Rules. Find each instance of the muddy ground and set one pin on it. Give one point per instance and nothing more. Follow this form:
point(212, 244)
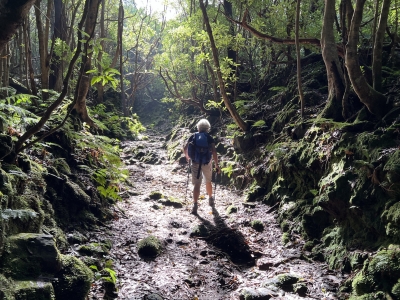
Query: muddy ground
point(229, 257)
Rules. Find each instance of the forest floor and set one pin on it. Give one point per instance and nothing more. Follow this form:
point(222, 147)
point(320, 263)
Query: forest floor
point(232, 256)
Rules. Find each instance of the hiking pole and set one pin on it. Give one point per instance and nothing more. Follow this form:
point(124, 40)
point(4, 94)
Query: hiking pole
point(187, 183)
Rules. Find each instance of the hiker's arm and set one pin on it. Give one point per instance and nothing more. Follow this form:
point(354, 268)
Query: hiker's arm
point(185, 151)
point(215, 157)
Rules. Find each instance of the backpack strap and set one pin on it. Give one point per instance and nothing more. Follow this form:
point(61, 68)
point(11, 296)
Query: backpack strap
point(198, 172)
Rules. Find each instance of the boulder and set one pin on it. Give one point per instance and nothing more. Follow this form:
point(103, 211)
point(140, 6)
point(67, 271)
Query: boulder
point(29, 255)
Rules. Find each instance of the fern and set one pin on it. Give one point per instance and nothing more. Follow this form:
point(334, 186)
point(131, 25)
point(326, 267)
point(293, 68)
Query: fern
point(22, 214)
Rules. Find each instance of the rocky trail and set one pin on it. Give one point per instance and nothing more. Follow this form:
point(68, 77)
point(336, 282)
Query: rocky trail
point(218, 254)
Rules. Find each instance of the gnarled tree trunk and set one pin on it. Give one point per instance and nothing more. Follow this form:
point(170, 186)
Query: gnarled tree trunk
point(84, 82)
point(333, 108)
point(12, 13)
point(372, 99)
point(232, 110)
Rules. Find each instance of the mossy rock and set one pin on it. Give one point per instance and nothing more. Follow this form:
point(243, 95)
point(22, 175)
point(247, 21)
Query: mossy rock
point(257, 225)
point(34, 290)
point(200, 231)
point(94, 249)
point(285, 226)
point(286, 281)
point(73, 280)
point(170, 201)
point(149, 247)
point(362, 284)
point(6, 288)
point(156, 195)
point(231, 209)
point(396, 290)
point(285, 238)
point(300, 288)
point(28, 255)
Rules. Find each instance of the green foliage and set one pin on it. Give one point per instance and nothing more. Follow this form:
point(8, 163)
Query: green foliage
point(106, 76)
point(24, 215)
point(106, 274)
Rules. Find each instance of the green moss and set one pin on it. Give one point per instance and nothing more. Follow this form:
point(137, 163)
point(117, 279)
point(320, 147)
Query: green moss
point(6, 288)
point(149, 246)
point(285, 226)
point(74, 279)
point(97, 249)
point(257, 225)
point(396, 290)
point(156, 195)
point(308, 246)
point(231, 209)
point(362, 284)
point(33, 290)
point(171, 201)
point(285, 238)
point(200, 231)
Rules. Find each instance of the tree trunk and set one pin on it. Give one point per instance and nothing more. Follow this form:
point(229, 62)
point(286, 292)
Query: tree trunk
point(372, 99)
point(19, 145)
point(59, 32)
point(378, 45)
point(31, 72)
point(232, 110)
point(43, 48)
point(120, 34)
point(12, 13)
point(84, 82)
point(333, 108)
point(299, 85)
point(99, 86)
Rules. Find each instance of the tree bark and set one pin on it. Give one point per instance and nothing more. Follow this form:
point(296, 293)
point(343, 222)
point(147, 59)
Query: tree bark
point(378, 45)
point(19, 145)
point(372, 99)
point(232, 110)
point(333, 108)
point(43, 48)
point(59, 32)
point(84, 82)
point(99, 86)
point(12, 13)
point(299, 85)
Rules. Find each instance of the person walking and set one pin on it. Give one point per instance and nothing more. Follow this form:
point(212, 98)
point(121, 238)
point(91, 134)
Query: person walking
point(200, 151)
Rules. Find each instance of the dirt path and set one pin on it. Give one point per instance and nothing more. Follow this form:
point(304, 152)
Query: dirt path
point(231, 256)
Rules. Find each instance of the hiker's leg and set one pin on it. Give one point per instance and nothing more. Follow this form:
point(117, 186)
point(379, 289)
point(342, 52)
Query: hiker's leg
point(209, 189)
point(196, 182)
point(207, 173)
point(196, 192)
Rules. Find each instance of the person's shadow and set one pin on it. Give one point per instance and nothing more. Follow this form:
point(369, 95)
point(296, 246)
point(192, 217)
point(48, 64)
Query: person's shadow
point(228, 240)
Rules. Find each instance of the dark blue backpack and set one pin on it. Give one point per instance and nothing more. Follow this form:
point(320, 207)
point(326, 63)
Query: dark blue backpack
point(199, 150)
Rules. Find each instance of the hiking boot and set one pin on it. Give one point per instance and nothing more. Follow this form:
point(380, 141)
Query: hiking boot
point(211, 201)
point(194, 209)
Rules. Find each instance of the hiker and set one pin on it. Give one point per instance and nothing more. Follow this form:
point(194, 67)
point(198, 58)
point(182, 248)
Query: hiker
point(199, 150)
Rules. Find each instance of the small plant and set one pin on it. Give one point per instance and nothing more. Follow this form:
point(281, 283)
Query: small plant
point(149, 246)
point(231, 209)
point(257, 225)
point(155, 195)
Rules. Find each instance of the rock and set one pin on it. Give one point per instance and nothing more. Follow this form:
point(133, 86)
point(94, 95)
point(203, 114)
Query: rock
point(257, 225)
point(264, 264)
point(33, 290)
point(231, 209)
point(149, 247)
point(256, 294)
point(200, 231)
point(300, 288)
point(29, 255)
point(153, 297)
point(243, 143)
point(73, 280)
